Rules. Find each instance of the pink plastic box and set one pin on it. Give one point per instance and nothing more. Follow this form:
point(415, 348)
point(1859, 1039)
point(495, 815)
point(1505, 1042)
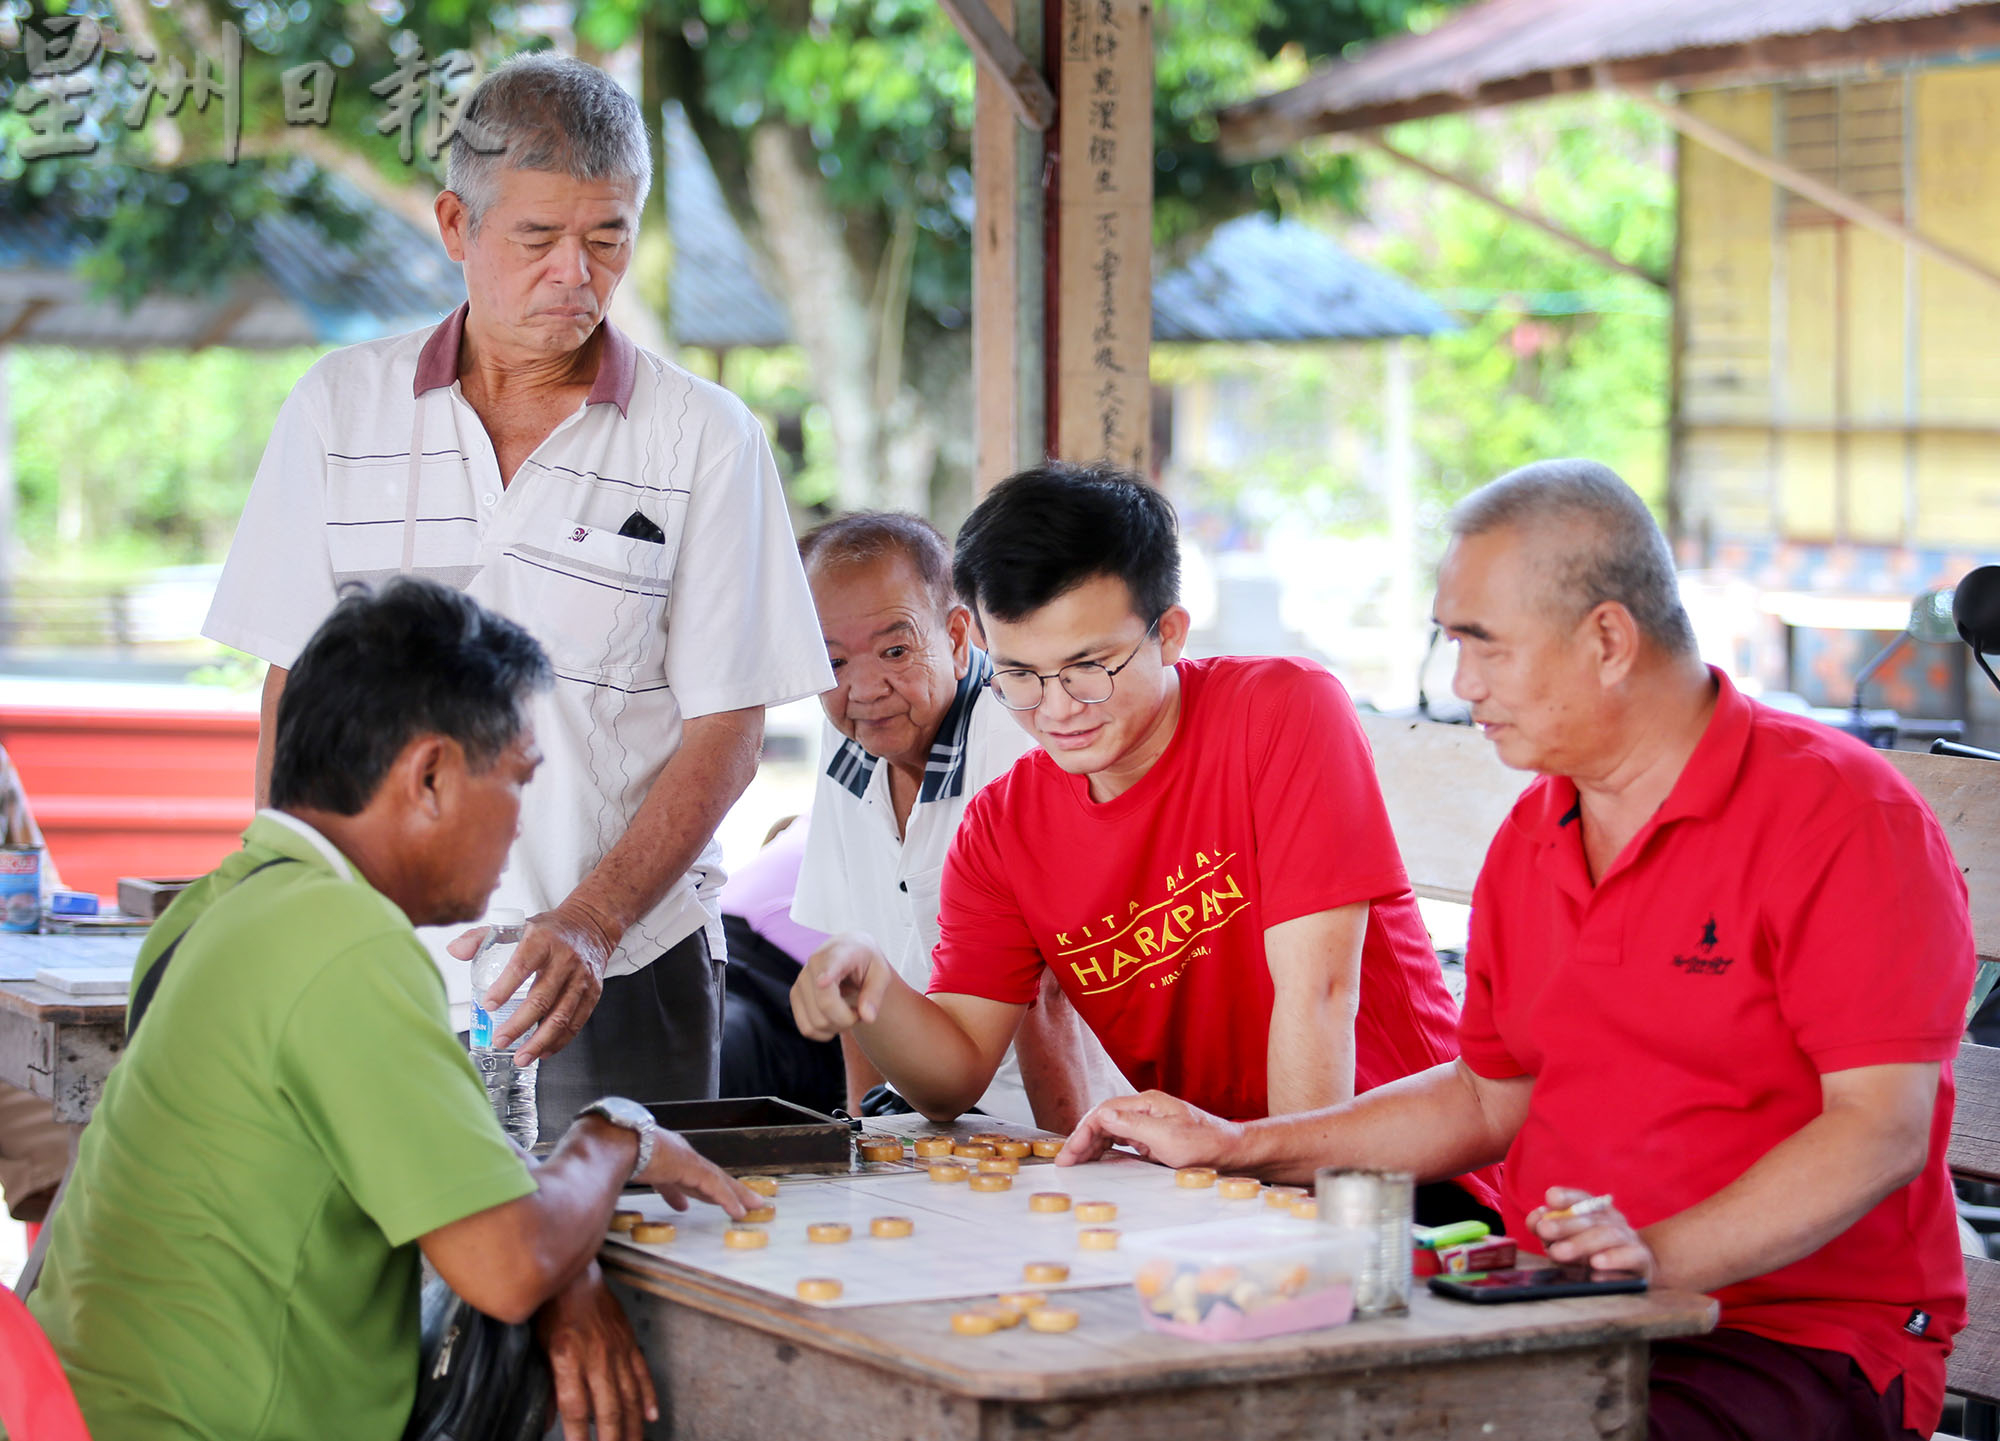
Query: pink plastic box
point(1244, 1280)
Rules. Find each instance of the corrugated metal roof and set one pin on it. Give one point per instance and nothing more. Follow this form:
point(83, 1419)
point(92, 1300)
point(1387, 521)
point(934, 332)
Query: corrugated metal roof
point(308, 289)
point(1263, 279)
point(1256, 279)
point(1507, 42)
point(313, 291)
point(716, 299)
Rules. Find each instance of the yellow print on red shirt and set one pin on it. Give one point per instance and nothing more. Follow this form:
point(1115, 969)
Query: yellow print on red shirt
point(1109, 952)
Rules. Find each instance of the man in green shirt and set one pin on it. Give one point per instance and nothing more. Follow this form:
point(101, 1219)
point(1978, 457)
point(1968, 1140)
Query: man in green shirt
point(293, 1119)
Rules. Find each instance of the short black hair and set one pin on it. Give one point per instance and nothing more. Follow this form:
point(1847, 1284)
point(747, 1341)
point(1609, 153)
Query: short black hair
point(1043, 532)
point(413, 658)
point(862, 536)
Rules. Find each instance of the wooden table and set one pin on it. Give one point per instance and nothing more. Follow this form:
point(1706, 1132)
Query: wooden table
point(736, 1364)
point(53, 1044)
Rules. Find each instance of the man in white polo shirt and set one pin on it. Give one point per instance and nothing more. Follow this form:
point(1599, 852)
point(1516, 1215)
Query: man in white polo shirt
point(626, 513)
point(912, 735)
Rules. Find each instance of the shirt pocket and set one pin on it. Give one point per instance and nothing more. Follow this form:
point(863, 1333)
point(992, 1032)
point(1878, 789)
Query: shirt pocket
point(923, 891)
point(596, 600)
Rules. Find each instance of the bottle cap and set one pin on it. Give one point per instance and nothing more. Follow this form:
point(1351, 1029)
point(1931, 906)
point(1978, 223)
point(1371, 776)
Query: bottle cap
point(506, 916)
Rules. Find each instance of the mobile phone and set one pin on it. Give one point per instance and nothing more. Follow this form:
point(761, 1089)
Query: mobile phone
point(1493, 1288)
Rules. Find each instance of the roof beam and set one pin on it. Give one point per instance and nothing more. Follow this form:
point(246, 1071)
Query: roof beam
point(18, 326)
point(1713, 136)
point(1548, 227)
point(1028, 94)
point(224, 318)
point(1271, 124)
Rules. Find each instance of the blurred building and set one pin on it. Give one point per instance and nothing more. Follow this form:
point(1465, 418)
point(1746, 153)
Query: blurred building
point(1836, 406)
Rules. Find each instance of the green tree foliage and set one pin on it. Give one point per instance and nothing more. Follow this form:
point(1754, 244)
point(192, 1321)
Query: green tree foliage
point(146, 459)
point(1560, 355)
point(882, 88)
point(1556, 354)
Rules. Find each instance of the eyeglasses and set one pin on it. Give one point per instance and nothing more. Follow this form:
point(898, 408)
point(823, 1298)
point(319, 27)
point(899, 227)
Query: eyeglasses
point(1088, 682)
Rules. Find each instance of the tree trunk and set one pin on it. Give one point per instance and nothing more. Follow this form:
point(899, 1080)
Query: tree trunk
point(827, 302)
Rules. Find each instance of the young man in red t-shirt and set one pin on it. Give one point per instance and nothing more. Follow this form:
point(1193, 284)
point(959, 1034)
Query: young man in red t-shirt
point(1198, 851)
point(1719, 965)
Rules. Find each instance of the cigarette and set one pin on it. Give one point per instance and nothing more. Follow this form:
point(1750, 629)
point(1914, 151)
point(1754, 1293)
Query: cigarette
point(1590, 1205)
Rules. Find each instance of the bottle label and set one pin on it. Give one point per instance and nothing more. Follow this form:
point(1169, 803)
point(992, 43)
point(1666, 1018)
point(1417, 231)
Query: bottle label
point(482, 1026)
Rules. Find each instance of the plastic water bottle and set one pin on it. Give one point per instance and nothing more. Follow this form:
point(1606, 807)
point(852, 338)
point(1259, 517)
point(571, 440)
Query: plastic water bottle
point(510, 1088)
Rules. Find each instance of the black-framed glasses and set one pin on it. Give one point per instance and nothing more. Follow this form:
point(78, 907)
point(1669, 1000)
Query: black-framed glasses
point(1088, 682)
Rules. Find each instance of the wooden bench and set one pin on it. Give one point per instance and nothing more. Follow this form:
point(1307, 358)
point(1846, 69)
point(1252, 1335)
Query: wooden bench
point(1447, 794)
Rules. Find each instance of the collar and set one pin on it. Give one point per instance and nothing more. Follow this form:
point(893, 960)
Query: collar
point(944, 769)
point(1709, 777)
point(1705, 783)
point(282, 831)
point(617, 365)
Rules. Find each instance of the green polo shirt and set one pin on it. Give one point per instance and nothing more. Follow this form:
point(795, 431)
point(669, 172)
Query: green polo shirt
point(236, 1255)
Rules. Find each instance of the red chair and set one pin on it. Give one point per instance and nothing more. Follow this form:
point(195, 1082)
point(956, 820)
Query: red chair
point(36, 1403)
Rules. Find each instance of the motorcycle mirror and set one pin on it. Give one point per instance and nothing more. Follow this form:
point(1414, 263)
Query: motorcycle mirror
point(1931, 617)
point(1975, 609)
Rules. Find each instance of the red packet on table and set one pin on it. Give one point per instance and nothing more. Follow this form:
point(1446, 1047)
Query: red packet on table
point(1487, 1253)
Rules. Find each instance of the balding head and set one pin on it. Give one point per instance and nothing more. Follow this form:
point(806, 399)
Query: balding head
point(1593, 541)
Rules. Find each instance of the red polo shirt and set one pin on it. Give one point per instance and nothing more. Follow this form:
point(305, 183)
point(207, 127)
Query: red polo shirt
point(1791, 910)
point(1151, 907)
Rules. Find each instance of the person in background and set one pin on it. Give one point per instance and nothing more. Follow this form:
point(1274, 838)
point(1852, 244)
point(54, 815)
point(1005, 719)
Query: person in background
point(763, 1053)
point(624, 512)
point(34, 1145)
point(913, 734)
point(1197, 851)
point(1719, 965)
point(293, 1125)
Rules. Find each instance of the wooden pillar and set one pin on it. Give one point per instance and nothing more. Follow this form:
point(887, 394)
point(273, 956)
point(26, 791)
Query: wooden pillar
point(1103, 216)
point(1009, 374)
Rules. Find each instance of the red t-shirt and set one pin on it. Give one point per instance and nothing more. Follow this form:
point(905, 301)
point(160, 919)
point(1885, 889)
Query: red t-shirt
point(1152, 907)
point(1792, 909)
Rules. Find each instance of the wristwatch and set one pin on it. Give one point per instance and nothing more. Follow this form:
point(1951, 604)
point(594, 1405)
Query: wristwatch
point(633, 1117)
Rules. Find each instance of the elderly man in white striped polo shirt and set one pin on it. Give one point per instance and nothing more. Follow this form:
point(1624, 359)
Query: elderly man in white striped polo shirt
point(626, 513)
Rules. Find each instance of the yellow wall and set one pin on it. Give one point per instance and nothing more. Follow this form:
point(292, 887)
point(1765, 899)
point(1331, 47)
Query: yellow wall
point(1774, 443)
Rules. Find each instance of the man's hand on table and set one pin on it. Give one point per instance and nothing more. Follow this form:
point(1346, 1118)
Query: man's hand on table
point(679, 1174)
point(1159, 1127)
point(600, 1373)
point(566, 951)
point(840, 986)
point(1603, 1240)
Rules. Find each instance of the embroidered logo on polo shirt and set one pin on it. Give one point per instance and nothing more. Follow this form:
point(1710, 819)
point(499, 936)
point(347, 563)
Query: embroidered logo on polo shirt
point(579, 535)
point(1705, 962)
point(1919, 1323)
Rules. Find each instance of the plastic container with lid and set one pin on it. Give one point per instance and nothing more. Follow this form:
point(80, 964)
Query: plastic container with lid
point(1243, 1280)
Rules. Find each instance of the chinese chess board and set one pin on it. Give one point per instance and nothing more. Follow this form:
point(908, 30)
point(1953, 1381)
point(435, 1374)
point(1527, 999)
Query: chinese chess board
point(964, 1243)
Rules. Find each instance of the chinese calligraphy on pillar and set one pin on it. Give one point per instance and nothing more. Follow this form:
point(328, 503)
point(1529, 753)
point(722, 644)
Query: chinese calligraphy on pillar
point(1105, 238)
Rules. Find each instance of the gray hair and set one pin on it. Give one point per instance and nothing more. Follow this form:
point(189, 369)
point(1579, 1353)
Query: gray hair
point(864, 536)
point(546, 111)
point(1613, 550)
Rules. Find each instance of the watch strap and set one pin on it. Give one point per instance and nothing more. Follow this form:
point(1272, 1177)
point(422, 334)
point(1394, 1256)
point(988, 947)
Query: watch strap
point(630, 1116)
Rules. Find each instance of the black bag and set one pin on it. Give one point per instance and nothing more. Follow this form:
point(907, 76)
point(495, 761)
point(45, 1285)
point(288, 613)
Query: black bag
point(478, 1379)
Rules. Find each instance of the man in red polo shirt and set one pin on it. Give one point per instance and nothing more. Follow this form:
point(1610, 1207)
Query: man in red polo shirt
point(1198, 851)
point(1719, 964)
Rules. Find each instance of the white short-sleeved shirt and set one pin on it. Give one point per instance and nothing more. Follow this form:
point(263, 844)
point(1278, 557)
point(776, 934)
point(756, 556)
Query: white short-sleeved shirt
point(642, 634)
point(859, 875)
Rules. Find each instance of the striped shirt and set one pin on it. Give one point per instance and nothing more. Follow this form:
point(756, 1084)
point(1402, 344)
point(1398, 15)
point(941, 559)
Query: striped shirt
point(643, 633)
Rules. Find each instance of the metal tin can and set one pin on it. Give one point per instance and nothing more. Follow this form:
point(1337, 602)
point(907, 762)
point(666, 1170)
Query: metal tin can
point(20, 888)
point(1382, 1204)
